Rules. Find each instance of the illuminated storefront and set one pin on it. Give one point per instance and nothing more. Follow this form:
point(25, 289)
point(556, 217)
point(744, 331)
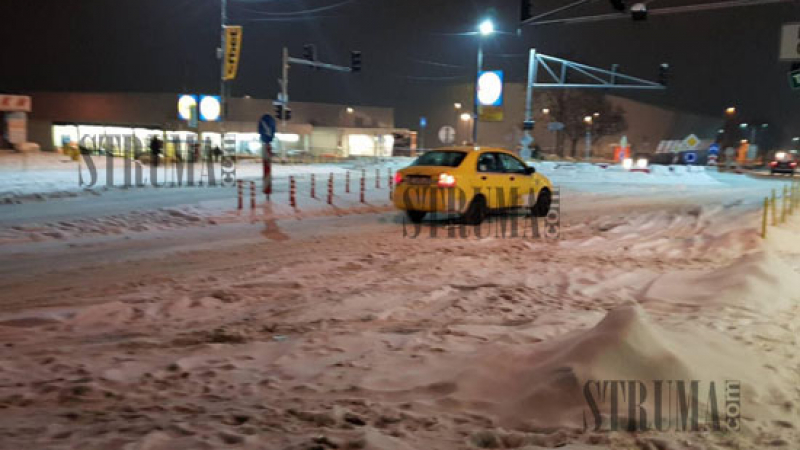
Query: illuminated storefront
point(125, 124)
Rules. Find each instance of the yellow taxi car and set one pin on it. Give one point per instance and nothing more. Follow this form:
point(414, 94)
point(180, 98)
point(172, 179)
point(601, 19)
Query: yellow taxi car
point(471, 181)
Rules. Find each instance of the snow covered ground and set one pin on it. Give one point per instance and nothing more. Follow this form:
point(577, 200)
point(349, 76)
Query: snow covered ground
point(195, 326)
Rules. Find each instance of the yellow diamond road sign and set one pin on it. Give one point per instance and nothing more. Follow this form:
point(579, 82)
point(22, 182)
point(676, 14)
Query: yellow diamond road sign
point(692, 142)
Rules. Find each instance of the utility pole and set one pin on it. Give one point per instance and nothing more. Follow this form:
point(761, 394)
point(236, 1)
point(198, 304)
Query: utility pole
point(221, 55)
point(284, 85)
point(588, 141)
point(529, 123)
point(476, 112)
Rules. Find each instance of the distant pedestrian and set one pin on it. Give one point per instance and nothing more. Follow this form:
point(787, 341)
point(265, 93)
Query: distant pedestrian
point(155, 150)
point(217, 153)
point(196, 152)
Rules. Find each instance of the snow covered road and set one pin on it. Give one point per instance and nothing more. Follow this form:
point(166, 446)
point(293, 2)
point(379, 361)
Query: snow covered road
point(328, 328)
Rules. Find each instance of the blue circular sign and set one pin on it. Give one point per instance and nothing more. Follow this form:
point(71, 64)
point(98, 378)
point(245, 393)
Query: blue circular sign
point(690, 157)
point(714, 149)
point(266, 128)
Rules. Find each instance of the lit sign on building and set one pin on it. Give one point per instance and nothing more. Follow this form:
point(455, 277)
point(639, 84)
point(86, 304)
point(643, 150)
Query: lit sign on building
point(187, 104)
point(490, 88)
point(210, 108)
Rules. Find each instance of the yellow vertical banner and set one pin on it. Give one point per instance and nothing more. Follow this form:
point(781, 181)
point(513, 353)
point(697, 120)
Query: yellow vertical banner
point(233, 48)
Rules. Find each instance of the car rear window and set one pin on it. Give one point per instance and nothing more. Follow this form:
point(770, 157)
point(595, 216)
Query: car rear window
point(440, 159)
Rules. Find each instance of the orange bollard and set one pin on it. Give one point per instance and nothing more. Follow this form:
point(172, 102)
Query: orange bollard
point(292, 193)
point(240, 193)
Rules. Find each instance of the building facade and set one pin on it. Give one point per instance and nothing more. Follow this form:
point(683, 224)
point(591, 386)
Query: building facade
point(94, 120)
point(648, 124)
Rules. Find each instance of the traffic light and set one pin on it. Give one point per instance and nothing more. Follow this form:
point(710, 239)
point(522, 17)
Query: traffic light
point(527, 10)
point(355, 61)
point(663, 74)
point(310, 52)
point(282, 112)
point(619, 5)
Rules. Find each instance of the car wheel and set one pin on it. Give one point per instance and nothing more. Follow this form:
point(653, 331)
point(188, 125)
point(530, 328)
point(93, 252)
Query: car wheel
point(542, 206)
point(476, 212)
point(416, 216)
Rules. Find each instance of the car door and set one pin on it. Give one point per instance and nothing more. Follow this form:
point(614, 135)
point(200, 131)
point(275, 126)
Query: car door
point(490, 177)
point(519, 180)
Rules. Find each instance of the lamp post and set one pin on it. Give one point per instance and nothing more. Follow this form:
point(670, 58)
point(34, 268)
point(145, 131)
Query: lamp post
point(466, 118)
point(486, 28)
point(457, 108)
point(588, 120)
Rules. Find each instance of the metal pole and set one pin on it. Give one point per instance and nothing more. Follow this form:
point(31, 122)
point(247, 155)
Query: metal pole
point(475, 92)
point(285, 86)
point(532, 72)
point(222, 82)
point(588, 142)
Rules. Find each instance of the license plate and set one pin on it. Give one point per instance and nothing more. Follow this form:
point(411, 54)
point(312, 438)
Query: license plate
point(419, 180)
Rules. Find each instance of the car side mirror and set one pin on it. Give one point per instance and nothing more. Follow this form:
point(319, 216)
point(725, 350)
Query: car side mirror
point(530, 170)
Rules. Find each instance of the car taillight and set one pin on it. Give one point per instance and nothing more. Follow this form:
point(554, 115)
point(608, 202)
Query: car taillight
point(773, 163)
point(447, 180)
point(794, 164)
point(398, 178)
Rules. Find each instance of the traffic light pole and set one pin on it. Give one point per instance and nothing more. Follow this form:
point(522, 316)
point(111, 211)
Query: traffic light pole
point(286, 62)
point(222, 83)
point(284, 86)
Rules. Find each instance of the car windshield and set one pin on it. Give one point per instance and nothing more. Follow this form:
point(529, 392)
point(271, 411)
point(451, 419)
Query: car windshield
point(440, 159)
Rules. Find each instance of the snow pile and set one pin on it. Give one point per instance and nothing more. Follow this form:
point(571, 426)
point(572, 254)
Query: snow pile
point(542, 386)
point(760, 281)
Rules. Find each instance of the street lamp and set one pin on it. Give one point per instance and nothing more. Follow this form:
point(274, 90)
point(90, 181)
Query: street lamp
point(466, 117)
point(546, 111)
point(486, 28)
point(457, 105)
point(350, 110)
point(730, 111)
point(596, 115)
point(588, 121)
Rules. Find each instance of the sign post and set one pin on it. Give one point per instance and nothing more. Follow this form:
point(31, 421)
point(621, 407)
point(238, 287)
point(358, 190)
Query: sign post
point(266, 128)
point(423, 123)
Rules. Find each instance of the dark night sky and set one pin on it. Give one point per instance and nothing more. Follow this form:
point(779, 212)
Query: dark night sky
point(718, 58)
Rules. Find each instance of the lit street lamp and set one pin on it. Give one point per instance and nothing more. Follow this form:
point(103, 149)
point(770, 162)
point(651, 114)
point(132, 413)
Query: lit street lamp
point(466, 118)
point(588, 121)
point(486, 28)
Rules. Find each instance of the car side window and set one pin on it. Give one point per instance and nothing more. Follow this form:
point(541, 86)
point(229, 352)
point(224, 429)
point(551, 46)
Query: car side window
point(512, 165)
point(488, 163)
